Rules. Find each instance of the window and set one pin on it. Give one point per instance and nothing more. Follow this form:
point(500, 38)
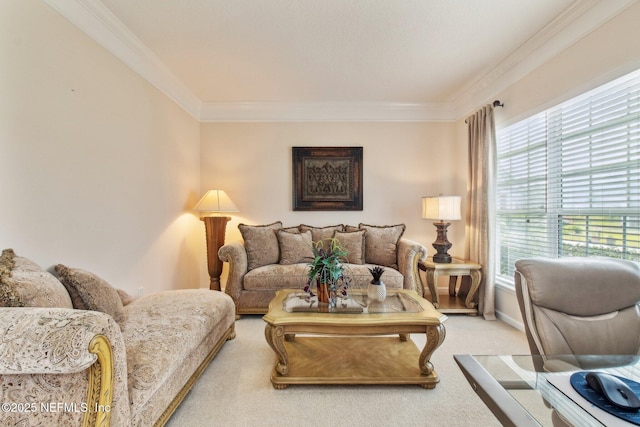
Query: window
point(568, 181)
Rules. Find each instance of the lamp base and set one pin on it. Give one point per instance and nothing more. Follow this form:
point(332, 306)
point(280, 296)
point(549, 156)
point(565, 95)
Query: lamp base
point(215, 228)
point(442, 244)
point(444, 258)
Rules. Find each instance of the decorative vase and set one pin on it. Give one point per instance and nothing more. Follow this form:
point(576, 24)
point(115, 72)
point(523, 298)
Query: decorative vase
point(377, 291)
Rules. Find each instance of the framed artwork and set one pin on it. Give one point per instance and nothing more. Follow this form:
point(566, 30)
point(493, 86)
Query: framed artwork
point(327, 178)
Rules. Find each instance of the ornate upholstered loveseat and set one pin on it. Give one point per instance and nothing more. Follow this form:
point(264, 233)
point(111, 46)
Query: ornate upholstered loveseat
point(273, 257)
point(117, 361)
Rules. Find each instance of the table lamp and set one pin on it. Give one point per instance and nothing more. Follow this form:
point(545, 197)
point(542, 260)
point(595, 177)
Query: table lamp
point(442, 208)
point(211, 205)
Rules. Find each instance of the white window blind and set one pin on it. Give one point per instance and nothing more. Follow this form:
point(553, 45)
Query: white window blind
point(568, 179)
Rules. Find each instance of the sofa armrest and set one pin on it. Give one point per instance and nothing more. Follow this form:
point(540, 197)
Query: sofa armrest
point(235, 254)
point(82, 354)
point(409, 254)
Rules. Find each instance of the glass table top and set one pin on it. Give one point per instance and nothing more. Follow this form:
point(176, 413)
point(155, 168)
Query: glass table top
point(355, 302)
point(526, 390)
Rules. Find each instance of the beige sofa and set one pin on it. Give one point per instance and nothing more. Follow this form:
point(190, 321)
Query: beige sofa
point(274, 257)
point(117, 361)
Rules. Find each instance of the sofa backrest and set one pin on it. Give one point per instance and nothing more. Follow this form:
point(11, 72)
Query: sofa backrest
point(377, 245)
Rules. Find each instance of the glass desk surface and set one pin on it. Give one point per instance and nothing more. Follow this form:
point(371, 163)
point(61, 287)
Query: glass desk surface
point(356, 302)
point(526, 390)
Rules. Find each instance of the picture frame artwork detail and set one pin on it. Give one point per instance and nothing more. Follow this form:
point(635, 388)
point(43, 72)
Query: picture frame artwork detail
point(327, 178)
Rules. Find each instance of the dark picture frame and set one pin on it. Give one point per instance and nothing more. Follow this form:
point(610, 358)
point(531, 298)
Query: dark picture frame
point(327, 178)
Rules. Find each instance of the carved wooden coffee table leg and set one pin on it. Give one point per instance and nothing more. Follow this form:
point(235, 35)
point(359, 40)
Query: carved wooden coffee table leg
point(275, 338)
point(435, 337)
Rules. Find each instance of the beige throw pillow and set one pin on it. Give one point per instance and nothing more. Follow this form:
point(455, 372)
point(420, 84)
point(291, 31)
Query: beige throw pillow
point(295, 247)
point(322, 233)
point(353, 243)
point(90, 292)
point(381, 244)
point(125, 297)
point(24, 284)
point(8, 295)
point(261, 244)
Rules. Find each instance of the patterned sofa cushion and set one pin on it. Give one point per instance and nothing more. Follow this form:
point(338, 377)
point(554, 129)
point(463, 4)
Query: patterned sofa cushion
point(353, 243)
point(294, 276)
point(90, 292)
point(24, 284)
point(321, 233)
point(163, 334)
point(381, 244)
point(261, 244)
point(294, 247)
point(277, 276)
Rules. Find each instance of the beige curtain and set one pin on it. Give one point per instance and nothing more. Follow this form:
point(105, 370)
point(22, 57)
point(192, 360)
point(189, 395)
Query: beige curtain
point(481, 212)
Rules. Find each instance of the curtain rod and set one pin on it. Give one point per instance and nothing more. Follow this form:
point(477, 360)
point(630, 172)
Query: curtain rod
point(496, 103)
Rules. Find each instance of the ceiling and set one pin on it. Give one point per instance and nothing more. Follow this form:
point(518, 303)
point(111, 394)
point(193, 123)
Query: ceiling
point(335, 59)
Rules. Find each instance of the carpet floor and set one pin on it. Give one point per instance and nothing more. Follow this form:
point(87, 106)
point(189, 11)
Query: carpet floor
point(235, 389)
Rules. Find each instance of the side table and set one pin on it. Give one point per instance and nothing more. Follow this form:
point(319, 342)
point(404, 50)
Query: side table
point(456, 268)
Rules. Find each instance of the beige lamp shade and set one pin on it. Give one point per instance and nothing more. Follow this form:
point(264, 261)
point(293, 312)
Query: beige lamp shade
point(215, 201)
point(441, 207)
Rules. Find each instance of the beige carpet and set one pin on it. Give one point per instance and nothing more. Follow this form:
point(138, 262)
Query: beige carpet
point(235, 389)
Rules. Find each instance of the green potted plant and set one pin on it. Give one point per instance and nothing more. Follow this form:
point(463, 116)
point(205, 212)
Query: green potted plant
point(327, 271)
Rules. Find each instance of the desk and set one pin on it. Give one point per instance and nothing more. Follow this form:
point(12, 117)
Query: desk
point(520, 391)
point(454, 269)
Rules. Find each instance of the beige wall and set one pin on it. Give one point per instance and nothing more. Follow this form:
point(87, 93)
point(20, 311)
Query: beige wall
point(98, 168)
point(401, 163)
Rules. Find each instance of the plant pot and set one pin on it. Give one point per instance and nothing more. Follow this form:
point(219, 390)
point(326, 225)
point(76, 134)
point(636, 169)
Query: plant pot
point(377, 291)
point(326, 295)
point(323, 292)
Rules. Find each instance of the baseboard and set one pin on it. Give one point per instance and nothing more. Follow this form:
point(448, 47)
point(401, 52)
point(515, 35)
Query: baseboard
point(510, 321)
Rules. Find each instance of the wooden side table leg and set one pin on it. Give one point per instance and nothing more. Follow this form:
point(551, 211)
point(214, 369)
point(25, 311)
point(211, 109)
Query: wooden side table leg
point(432, 282)
point(476, 277)
point(453, 281)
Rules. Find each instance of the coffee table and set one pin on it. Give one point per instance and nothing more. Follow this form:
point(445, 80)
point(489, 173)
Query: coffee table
point(357, 343)
point(528, 390)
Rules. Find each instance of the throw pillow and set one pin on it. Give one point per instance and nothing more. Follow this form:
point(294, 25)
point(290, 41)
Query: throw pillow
point(291, 229)
point(381, 244)
point(90, 292)
point(322, 233)
point(295, 247)
point(24, 284)
point(8, 295)
point(125, 297)
point(261, 244)
point(353, 243)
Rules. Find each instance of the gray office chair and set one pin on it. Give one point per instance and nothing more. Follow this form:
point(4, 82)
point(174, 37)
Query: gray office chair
point(579, 306)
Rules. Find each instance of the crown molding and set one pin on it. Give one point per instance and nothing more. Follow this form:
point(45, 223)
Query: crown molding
point(320, 112)
point(578, 20)
point(99, 23)
point(582, 17)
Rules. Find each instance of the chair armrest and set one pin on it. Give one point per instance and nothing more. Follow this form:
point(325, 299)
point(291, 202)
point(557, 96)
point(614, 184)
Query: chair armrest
point(409, 254)
point(82, 352)
point(235, 254)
